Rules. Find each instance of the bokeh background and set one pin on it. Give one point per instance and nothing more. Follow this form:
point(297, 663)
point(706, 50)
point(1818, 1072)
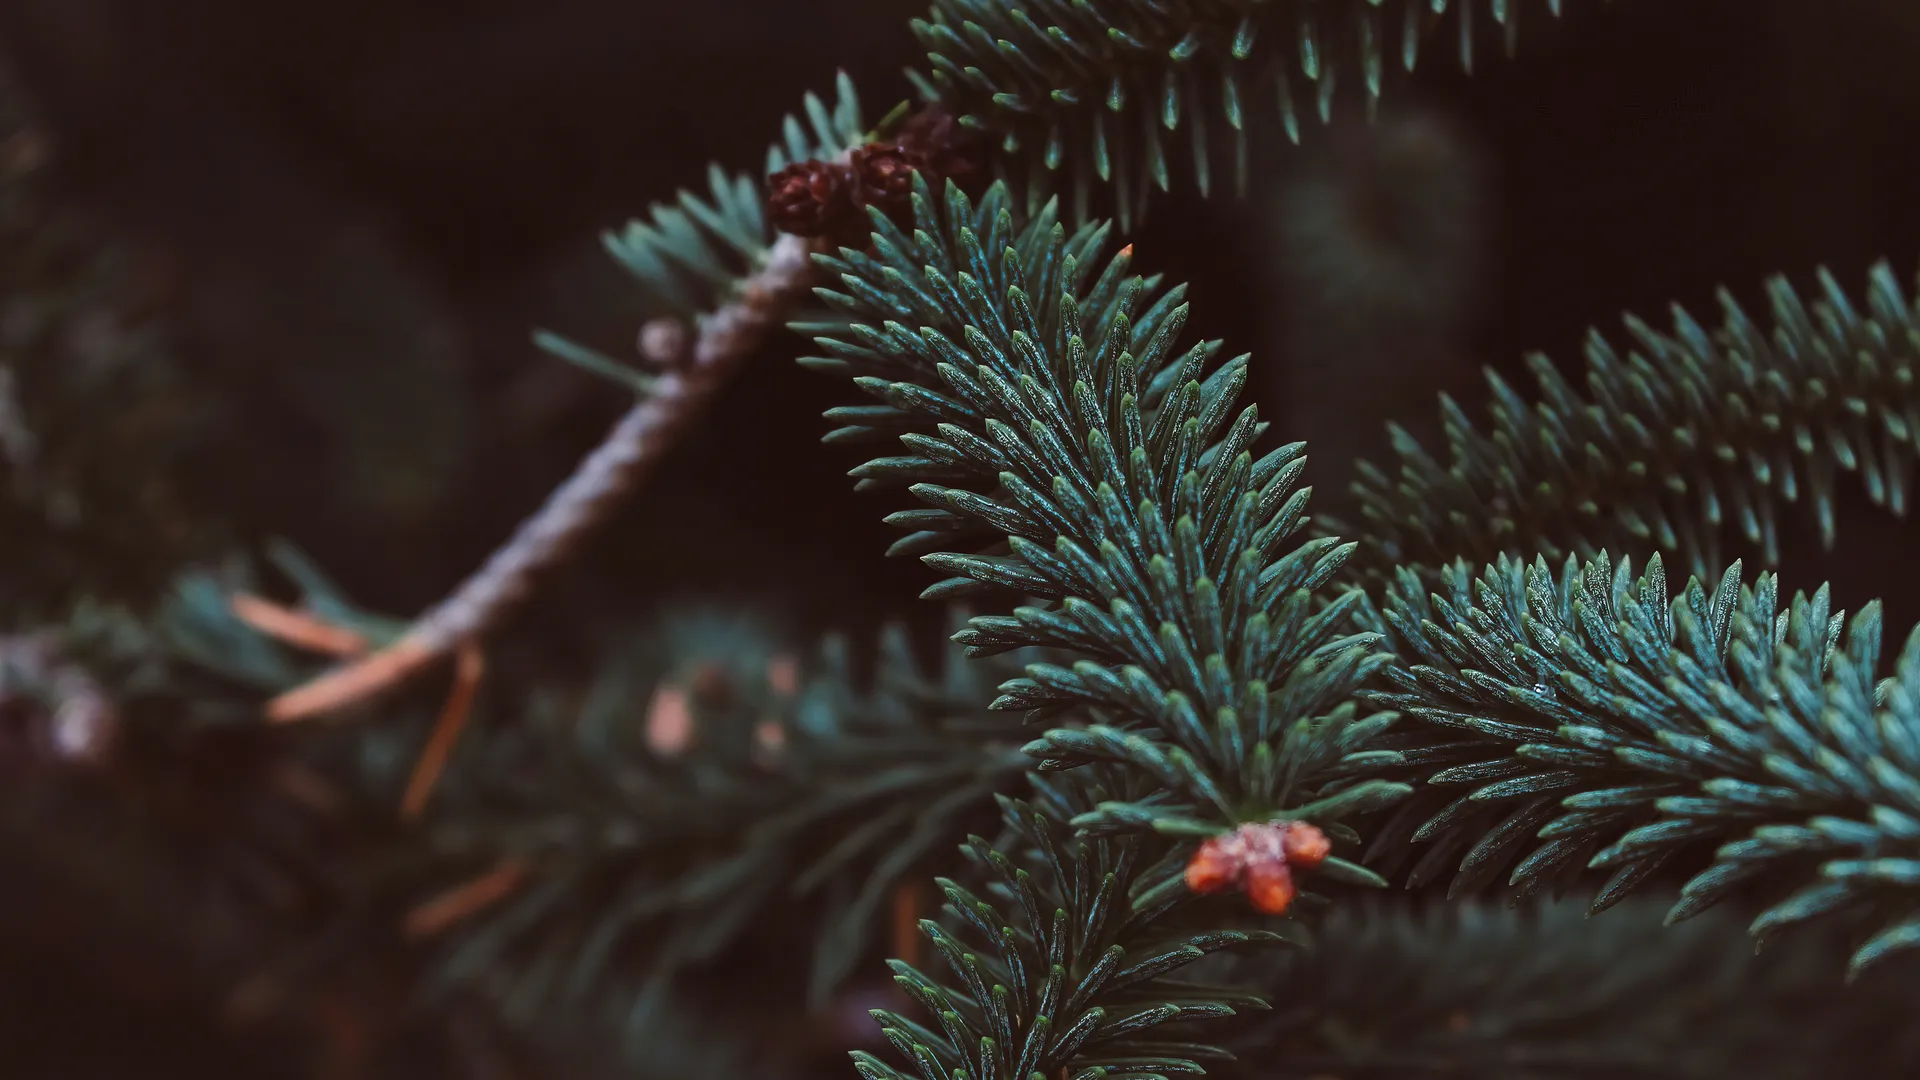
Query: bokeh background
point(351, 215)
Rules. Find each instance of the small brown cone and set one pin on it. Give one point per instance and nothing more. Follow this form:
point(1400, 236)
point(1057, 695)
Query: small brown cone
point(813, 199)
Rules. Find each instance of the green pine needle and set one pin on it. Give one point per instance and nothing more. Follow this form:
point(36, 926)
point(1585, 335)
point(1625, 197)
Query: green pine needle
point(1467, 990)
point(1055, 428)
point(641, 863)
point(1584, 719)
point(691, 255)
point(1683, 437)
point(1066, 964)
point(1119, 91)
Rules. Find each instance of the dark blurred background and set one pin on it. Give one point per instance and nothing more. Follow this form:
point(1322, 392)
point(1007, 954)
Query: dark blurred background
point(355, 212)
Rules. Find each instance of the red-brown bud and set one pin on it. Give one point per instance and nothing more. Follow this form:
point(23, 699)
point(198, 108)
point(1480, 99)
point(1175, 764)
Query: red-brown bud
point(1305, 845)
point(1270, 887)
point(1260, 857)
point(813, 198)
point(937, 143)
point(885, 176)
point(1217, 865)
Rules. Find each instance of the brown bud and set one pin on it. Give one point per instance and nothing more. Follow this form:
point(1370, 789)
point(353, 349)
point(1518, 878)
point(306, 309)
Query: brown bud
point(885, 174)
point(814, 199)
point(665, 342)
point(1261, 857)
point(935, 142)
point(1270, 887)
point(1218, 864)
point(1305, 845)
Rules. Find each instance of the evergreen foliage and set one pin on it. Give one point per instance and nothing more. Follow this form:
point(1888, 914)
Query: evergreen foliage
point(1585, 718)
point(1099, 89)
point(651, 840)
point(1036, 405)
point(196, 629)
point(1543, 994)
point(1686, 435)
point(1067, 966)
point(694, 254)
point(1474, 689)
point(1040, 411)
point(96, 419)
point(705, 785)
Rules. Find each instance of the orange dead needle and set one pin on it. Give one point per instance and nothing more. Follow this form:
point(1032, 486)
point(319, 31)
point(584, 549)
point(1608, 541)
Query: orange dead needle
point(370, 670)
point(909, 904)
point(360, 679)
point(300, 629)
point(469, 665)
point(466, 899)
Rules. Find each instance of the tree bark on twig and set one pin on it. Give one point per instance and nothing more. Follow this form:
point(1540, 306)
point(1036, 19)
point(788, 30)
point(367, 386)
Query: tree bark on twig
point(604, 478)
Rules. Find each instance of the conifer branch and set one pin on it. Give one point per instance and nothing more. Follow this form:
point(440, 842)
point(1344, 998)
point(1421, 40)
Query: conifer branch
point(716, 260)
point(1685, 435)
point(1585, 720)
point(1054, 427)
point(601, 482)
point(70, 717)
point(1097, 90)
point(1046, 408)
point(1067, 966)
point(1492, 993)
point(595, 852)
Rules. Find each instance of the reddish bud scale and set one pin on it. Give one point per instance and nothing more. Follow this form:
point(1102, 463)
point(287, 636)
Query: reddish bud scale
point(1270, 887)
point(829, 199)
point(1260, 857)
point(1305, 845)
point(885, 175)
point(1216, 866)
point(813, 198)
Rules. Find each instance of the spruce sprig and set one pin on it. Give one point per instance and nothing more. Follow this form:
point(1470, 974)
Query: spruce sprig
point(1067, 965)
point(1120, 488)
point(693, 255)
point(641, 860)
point(1099, 89)
point(1674, 441)
point(1066, 451)
point(1585, 719)
point(1472, 990)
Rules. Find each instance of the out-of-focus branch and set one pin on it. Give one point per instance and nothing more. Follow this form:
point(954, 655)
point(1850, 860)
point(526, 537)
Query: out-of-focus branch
point(67, 714)
point(603, 479)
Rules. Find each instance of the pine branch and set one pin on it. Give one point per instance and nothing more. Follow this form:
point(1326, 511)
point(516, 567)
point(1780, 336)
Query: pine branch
point(208, 624)
point(647, 841)
point(1065, 967)
point(56, 708)
point(1041, 412)
point(98, 418)
point(1492, 994)
point(720, 252)
point(1688, 434)
point(1098, 89)
point(1097, 463)
point(1586, 711)
point(696, 255)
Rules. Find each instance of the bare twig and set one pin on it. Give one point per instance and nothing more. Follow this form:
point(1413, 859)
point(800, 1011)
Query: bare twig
point(606, 476)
